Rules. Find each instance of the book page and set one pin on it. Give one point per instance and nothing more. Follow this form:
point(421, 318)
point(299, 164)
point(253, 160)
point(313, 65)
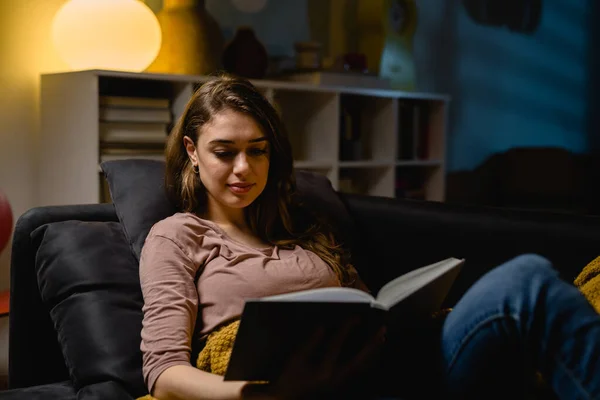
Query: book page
point(394, 291)
point(333, 295)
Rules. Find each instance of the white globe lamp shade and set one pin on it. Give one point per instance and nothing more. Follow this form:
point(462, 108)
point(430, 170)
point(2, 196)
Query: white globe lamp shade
point(122, 35)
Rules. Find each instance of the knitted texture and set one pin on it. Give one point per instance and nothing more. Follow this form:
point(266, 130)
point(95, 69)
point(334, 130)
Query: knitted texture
point(588, 282)
point(216, 353)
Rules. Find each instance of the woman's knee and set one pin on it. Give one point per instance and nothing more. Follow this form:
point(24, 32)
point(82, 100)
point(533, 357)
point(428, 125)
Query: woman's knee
point(517, 275)
point(527, 266)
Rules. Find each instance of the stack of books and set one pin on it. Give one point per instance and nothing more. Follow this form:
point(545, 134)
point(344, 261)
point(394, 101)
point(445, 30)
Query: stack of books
point(133, 127)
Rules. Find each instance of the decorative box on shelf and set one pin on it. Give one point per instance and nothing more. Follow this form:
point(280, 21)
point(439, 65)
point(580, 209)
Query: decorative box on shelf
point(369, 141)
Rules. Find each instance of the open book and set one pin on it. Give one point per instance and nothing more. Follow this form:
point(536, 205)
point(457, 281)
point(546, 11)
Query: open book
point(271, 328)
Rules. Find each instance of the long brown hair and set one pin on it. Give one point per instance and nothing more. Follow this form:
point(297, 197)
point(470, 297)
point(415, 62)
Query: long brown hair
point(274, 216)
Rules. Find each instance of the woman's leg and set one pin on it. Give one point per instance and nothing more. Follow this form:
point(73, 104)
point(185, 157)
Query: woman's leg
point(518, 318)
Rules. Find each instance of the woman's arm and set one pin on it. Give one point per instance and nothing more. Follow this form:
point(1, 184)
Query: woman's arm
point(167, 277)
point(188, 383)
point(182, 382)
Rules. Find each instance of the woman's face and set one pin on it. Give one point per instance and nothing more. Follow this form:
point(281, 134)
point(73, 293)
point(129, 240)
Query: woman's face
point(232, 155)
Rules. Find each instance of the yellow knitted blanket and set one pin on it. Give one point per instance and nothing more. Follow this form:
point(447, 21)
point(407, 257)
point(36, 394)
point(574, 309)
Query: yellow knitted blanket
point(588, 282)
point(215, 355)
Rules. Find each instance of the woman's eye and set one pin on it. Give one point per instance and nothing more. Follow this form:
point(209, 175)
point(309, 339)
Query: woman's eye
point(258, 152)
point(223, 154)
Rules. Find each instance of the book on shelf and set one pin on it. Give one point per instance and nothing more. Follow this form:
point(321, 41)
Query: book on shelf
point(115, 114)
point(126, 156)
point(272, 328)
point(421, 132)
point(104, 190)
point(351, 143)
point(133, 132)
point(133, 102)
point(110, 152)
point(406, 127)
point(346, 185)
point(414, 131)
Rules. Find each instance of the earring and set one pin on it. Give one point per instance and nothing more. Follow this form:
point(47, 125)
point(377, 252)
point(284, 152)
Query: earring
point(196, 169)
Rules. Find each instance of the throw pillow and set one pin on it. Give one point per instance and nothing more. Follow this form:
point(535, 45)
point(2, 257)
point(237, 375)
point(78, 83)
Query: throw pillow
point(137, 191)
point(89, 281)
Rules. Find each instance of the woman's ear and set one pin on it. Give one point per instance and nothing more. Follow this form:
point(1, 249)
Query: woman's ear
point(190, 148)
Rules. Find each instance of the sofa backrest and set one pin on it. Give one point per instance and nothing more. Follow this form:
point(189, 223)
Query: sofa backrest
point(397, 236)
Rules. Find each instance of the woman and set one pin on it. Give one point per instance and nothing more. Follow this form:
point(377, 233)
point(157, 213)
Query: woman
point(242, 233)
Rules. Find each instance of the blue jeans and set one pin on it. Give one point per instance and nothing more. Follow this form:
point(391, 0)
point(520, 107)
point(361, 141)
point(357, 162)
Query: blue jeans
point(517, 319)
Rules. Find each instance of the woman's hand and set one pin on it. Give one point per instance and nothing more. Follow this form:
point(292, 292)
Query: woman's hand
point(303, 377)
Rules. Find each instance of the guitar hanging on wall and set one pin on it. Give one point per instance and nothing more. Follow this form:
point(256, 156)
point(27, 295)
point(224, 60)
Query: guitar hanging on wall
point(521, 16)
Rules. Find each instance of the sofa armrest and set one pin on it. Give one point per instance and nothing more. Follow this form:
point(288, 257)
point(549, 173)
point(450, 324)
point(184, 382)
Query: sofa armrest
point(34, 354)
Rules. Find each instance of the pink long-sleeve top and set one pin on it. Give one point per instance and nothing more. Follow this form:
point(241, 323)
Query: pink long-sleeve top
point(190, 269)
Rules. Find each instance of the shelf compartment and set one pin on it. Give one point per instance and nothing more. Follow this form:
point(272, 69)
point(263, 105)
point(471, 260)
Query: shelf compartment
point(367, 128)
point(421, 125)
point(310, 118)
point(134, 87)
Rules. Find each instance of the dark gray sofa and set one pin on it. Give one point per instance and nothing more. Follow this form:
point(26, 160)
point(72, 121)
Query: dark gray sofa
point(75, 298)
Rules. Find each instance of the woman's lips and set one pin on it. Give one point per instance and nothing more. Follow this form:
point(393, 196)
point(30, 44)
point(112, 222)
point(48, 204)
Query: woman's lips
point(241, 188)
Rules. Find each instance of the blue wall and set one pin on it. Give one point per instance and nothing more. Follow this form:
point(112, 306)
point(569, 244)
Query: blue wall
point(508, 89)
point(278, 25)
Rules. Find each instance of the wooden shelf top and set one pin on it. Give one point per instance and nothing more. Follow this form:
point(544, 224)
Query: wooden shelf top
point(268, 84)
point(366, 164)
point(419, 163)
point(307, 164)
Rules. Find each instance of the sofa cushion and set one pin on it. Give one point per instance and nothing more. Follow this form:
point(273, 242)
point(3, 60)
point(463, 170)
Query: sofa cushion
point(137, 191)
point(89, 281)
point(59, 390)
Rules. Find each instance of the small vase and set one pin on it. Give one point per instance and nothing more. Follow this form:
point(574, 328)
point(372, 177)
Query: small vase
point(245, 55)
point(192, 41)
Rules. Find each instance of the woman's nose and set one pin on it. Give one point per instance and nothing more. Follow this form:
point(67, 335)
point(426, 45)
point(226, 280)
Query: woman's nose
point(240, 165)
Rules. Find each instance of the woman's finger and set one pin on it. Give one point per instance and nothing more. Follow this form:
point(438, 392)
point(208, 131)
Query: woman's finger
point(336, 344)
point(308, 347)
point(296, 377)
point(364, 356)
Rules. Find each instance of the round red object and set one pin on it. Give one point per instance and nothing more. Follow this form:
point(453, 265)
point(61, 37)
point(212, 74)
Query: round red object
point(6, 221)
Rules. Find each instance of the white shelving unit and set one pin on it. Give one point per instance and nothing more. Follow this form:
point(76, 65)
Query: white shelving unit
point(396, 139)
